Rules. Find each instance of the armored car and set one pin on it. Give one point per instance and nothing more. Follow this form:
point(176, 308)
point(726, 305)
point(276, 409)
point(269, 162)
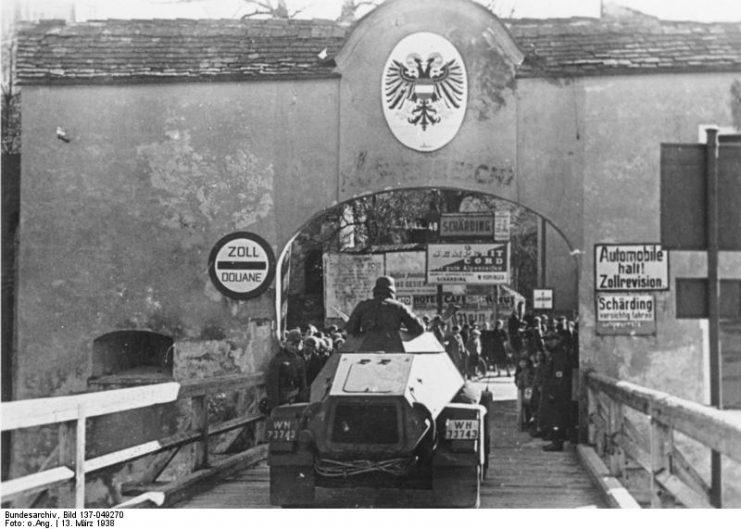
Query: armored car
point(385, 411)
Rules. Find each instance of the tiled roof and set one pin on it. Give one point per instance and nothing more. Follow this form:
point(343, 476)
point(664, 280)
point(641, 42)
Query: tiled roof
point(582, 47)
point(146, 50)
point(131, 50)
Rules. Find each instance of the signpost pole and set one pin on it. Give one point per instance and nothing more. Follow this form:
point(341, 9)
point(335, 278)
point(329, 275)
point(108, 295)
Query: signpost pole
point(439, 299)
point(716, 484)
point(496, 302)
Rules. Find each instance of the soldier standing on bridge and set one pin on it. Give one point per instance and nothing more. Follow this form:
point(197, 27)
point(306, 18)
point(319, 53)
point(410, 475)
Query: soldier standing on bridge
point(456, 349)
point(556, 395)
point(383, 312)
point(313, 355)
point(514, 323)
point(499, 357)
point(473, 349)
point(286, 380)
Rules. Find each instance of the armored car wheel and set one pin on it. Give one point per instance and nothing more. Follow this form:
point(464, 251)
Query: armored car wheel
point(292, 486)
point(457, 486)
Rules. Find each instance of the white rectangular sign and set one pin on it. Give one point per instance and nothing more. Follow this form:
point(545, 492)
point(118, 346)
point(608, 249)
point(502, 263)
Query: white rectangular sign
point(501, 226)
point(543, 298)
point(457, 225)
point(625, 313)
point(630, 267)
point(625, 307)
point(483, 264)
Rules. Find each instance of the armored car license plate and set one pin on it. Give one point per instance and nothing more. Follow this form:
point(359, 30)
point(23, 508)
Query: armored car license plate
point(281, 430)
point(465, 429)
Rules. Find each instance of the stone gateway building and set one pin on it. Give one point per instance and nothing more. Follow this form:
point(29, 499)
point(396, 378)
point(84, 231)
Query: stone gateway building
point(146, 142)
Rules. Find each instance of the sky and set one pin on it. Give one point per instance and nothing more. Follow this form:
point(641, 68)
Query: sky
point(701, 10)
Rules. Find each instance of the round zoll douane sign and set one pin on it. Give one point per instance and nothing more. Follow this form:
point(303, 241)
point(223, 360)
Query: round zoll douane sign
point(241, 265)
point(425, 91)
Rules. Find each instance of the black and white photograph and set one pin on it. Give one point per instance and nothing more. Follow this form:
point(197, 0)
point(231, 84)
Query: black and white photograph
point(370, 261)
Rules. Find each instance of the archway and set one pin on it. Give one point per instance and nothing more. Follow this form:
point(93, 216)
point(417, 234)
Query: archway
point(541, 253)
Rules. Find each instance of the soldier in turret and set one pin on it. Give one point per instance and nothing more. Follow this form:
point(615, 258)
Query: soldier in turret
point(383, 312)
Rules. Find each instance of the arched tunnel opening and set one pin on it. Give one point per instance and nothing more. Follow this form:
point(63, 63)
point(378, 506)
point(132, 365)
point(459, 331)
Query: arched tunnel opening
point(332, 261)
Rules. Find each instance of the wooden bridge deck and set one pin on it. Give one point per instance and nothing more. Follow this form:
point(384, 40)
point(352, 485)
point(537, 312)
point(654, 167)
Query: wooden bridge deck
point(521, 475)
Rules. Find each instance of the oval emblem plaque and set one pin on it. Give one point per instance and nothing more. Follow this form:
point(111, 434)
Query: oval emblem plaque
point(425, 91)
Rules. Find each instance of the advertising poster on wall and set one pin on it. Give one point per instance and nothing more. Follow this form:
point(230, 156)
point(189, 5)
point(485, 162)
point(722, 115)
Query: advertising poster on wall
point(407, 269)
point(469, 306)
point(412, 289)
point(474, 308)
point(349, 279)
point(479, 264)
point(630, 267)
point(625, 313)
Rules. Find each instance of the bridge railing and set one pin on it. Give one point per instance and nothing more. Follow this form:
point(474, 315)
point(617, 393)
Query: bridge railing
point(618, 439)
point(71, 412)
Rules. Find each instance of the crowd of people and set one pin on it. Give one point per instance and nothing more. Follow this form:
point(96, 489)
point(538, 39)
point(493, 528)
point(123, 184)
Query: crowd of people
point(474, 350)
point(547, 351)
point(540, 350)
point(300, 359)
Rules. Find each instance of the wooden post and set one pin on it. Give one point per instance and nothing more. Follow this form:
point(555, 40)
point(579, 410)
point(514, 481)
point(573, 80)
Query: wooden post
point(601, 426)
point(716, 484)
point(615, 429)
point(259, 391)
point(66, 444)
point(80, 459)
point(591, 414)
point(662, 446)
point(200, 424)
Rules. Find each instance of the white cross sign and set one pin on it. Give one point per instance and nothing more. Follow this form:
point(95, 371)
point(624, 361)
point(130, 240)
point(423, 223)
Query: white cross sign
point(543, 298)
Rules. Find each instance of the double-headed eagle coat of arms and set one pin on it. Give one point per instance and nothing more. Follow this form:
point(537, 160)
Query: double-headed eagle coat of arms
point(420, 85)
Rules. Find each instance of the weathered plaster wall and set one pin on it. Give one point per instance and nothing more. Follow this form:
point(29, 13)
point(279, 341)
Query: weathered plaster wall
point(550, 175)
point(624, 121)
point(117, 224)
point(550, 151)
point(561, 273)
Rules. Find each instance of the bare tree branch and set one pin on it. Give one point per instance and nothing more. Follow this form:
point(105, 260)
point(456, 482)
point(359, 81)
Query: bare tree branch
point(278, 9)
point(350, 8)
